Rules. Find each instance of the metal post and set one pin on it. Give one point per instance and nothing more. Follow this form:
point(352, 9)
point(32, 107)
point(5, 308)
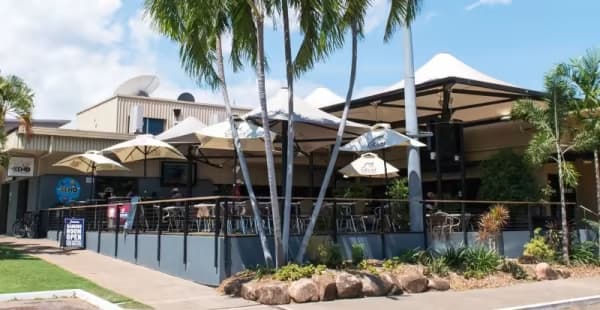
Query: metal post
point(159, 232)
point(190, 172)
point(463, 184)
point(529, 221)
point(227, 256)
point(135, 223)
point(415, 193)
point(217, 231)
point(117, 224)
point(99, 237)
point(311, 164)
point(185, 232)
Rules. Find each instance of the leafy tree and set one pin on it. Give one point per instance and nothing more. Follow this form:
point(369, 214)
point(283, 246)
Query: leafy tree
point(16, 101)
point(551, 132)
point(507, 176)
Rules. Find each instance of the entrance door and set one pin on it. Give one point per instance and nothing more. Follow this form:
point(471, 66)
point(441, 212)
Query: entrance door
point(4, 192)
point(22, 198)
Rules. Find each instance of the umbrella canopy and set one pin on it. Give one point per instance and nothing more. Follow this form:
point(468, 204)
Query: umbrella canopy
point(313, 128)
point(218, 136)
point(380, 137)
point(184, 132)
point(90, 162)
point(369, 165)
point(144, 147)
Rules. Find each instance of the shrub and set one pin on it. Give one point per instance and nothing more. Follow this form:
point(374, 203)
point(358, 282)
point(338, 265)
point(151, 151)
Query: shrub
point(515, 270)
point(585, 253)
point(491, 224)
point(480, 262)
point(364, 265)
point(438, 266)
point(507, 176)
point(415, 256)
point(455, 257)
point(358, 253)
point(293, 272)
point(392, 263)
point(538, 248)
point(330, 255)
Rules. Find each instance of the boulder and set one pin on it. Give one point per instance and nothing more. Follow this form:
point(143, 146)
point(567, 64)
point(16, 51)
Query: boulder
point(543, 271)
point(438, 284)
point(348, 286)
point(413, 283)
point(248, 290)
point(273, 293)
point(527, 260)
point(391, 281)
point(563, 273)
point(374, 262)
point(303, 290)
point(327, 289)
point(372, 285)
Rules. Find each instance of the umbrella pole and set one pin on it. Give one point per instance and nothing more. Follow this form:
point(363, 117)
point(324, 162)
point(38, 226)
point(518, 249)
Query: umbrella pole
point(93, 189)
point(190, 171)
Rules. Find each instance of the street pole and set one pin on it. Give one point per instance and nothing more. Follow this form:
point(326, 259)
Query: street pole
point(415, 191)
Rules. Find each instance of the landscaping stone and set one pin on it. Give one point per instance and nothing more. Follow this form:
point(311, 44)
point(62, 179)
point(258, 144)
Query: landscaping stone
point(413, 283)
point(273, 293)
point(390, 280)
point(526, 260)
point(563, 273)
point(373, 285)
point(543, 271)
point(249, 290)
point(303, 290)
point(233, 285)
point(375, 262)
point(348, 286)
point(438, 284)
point(326, 286)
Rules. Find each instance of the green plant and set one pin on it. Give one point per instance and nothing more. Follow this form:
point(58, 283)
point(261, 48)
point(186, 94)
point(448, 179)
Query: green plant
point(262, 271)
point(415, 256)
point(293, 272)
point(358, 253)
point(491, 224)
point(392, 263)
point(515, 270)
point(480, 262)
point(398, 189)
point(354, 190)
point(364, 265)
point(538, 248)
point(455, 257)
point(585, 253)
point(438, 266)
point(507, 176)
point(330, 255)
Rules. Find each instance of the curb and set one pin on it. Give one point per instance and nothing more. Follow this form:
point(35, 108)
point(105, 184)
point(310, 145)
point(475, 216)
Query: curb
point(560, 304)
point(81, 294)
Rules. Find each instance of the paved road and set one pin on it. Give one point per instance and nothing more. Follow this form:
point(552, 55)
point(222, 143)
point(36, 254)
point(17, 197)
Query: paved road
point(163, 291)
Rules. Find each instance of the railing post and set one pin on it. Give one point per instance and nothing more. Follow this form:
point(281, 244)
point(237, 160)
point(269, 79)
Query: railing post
point(99, 233)
point(217, 231)
point(463, 220)
point(226, 253)
point(135, 223)
point(117, 224)
point(425, 225)
point(159, 232)
point(334, 221)
point(186, 217)
point(529, 221)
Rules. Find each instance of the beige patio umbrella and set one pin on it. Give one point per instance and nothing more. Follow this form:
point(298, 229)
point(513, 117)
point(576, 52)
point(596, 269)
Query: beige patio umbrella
point(144, 147)
point(218, 136)
point(90, 162)
point(369, 165)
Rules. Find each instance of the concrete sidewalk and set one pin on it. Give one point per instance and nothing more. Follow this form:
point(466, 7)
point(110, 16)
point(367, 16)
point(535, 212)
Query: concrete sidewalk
point(162, 291)
point(153, 288)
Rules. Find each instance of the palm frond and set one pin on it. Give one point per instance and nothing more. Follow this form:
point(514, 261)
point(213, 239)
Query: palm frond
point(402, 13)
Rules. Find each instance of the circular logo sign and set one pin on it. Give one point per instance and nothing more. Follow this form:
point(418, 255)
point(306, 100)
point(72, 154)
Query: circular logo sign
point(67, 189)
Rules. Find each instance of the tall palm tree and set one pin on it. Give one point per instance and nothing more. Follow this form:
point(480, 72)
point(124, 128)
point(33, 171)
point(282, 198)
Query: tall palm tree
point(351, 17)
point(198, 30)
point(16, 101)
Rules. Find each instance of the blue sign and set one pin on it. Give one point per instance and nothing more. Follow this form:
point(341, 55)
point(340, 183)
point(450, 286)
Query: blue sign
point(67, 190)
point(131, 213)
point(74, 233)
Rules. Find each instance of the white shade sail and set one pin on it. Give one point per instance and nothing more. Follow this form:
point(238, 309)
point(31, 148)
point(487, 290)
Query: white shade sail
point(313, 128)
point(184, 132)
point(369, 165)
point(218, 136)
point(144, 147)
point(89, 162)
point(322, 97)
point(380, 137)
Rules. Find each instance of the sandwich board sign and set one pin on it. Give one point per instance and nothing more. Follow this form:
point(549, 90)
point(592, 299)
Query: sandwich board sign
point(74, 233)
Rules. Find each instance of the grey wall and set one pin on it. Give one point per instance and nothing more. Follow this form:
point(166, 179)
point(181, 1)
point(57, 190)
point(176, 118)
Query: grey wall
point(11, 214)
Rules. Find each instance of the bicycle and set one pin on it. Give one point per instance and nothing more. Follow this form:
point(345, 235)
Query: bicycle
point(24, 227)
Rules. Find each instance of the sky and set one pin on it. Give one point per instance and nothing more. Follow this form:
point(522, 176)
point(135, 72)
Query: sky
point(74, 54)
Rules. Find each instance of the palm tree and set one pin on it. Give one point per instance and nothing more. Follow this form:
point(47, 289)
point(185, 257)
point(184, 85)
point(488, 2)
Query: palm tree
point(198, 31)
point(16, 100)
point(548, 141)
point(351, 17)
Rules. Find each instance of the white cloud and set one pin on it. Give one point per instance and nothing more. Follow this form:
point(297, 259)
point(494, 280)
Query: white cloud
point(479, 3)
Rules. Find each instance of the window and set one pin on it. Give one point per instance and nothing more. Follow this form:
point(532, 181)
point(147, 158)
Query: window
point(153, 126)
point(176, 174)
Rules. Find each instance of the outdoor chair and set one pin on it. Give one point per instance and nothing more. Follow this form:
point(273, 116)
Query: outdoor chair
point(204, 219)
point(247, 219)
point(443, 224)
point(304, 211)
point(361, 217)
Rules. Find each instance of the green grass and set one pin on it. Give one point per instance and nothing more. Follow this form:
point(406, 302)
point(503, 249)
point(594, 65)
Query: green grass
point(24, 273)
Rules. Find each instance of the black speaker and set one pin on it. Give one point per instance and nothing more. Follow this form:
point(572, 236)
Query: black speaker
point(445, 144)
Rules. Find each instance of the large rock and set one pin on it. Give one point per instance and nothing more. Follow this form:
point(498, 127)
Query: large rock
point(390, 280)
point(543, 271)
point(327, 289)
point(303, 290)
point(413, 283)
point(438, 284)
point(348, 286)
point(248, 290)
point(373, 285)
point(273, 293)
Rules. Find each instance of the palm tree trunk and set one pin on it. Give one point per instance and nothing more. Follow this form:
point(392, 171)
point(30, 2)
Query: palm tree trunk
point(241, 158)
point(289, 177)
point(260, 75)
point(597, 175)
point(334, 152)
point(561, 186)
